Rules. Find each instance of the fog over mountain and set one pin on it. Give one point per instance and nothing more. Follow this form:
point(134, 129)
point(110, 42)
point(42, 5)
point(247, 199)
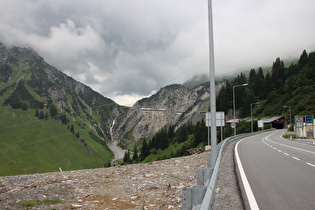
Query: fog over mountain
point(128, 50)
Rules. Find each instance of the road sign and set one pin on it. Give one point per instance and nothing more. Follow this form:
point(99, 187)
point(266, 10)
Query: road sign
point(260, 124)
point(309, 119)
point(298, 121)
point(219, 119)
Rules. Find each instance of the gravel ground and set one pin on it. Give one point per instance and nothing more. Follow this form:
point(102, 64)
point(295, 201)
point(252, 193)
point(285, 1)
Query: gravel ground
point(156, 185)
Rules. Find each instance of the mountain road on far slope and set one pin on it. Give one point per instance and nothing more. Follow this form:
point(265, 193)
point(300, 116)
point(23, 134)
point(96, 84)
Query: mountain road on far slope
point(279, 173)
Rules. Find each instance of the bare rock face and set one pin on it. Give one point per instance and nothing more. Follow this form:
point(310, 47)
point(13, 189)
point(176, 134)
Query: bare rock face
point(173, 104)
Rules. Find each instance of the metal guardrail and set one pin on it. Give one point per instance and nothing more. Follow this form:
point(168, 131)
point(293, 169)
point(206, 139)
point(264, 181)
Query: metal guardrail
point(201, 196)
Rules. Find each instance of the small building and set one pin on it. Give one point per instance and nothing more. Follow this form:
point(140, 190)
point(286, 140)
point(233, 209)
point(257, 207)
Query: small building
point(274, 122)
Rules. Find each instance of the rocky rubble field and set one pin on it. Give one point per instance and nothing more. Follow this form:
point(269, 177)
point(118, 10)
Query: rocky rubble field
point(156, 185)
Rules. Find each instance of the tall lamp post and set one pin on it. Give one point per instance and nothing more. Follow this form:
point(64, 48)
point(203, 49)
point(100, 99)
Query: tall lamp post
point(251, 114)
point(212, 88)
point(289, 111)
point(234, 104)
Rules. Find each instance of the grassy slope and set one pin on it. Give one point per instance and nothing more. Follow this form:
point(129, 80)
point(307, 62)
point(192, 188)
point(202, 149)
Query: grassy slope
point(29, 145)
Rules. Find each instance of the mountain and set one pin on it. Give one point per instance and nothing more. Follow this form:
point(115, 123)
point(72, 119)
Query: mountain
point(172, 105)
point(196, 80)
point(44, 108)
point(49, 120)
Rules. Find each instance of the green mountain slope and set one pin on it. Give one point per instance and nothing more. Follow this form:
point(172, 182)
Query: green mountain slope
point(47, 119)
point(30, 145)
point(291, 86)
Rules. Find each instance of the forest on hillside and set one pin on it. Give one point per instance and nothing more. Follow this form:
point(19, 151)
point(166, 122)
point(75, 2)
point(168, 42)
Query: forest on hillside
point(275, 90)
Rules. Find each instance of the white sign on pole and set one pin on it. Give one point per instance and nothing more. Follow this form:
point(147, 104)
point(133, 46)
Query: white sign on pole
point(298, 121)
point(219, 119)
point(260, 124)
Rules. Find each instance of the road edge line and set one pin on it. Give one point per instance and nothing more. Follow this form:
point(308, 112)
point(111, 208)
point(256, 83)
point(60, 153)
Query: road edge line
point(248, 191)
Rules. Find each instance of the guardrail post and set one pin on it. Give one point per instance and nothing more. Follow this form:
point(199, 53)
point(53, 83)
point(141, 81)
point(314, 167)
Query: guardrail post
point(186, 200)
point(193, 196)
point(200, 178)
point(197, 194)
point(207, 173)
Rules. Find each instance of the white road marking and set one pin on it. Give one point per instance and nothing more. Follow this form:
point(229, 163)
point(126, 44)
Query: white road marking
point(249, 193)
point(310, 164)
point(304, 150)
point(295, 158)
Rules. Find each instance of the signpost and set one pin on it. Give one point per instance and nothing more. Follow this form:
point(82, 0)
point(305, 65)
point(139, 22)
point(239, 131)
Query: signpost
point(220, 122)
point(219, 119)
point(260, 124)
point(309, 119)
point(299, 125)
point(309, 123)
point(298, 121)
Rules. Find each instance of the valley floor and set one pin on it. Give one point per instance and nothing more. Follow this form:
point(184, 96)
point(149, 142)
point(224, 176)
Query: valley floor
point(156, 185)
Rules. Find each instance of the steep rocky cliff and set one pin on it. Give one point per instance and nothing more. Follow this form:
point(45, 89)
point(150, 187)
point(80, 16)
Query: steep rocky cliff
point(174, 104)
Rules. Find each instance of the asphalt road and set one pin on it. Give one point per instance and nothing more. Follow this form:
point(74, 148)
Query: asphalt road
point(280, 172)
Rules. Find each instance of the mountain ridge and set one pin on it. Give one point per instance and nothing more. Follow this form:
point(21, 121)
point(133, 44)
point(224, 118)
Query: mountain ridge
point(29, 84)
point(41, 94)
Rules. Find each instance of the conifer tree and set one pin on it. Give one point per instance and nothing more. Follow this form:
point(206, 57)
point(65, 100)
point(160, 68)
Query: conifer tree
point(127, 156)
point(144, 150)
point(303, 59)
point(41, 115)
point(72, 128)
point(135, 154)
point(37, 113)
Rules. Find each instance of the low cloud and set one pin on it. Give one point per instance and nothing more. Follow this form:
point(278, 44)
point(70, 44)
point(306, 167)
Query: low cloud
point(129, 49)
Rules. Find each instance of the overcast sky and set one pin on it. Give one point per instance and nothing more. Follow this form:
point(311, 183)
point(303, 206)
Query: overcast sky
point(128, 49)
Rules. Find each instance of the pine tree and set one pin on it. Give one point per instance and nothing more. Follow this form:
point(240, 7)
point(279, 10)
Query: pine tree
point(41, 115)
point(144, 150)
point(135, 154)
point(127, 157)
point(267, 86)
point(303, 59)
point(171, 132)
point(53, 111)
point(278, 74)
point(37, 113)
point(261, 73)
point(72, 128)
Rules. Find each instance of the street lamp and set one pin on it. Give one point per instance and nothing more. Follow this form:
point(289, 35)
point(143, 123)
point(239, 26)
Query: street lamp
point(212, 88)
point(234, 104)
point(289, 111)
point(251, 114)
